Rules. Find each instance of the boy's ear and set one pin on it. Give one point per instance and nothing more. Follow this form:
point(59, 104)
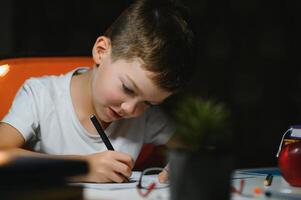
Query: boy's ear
point(101, 48)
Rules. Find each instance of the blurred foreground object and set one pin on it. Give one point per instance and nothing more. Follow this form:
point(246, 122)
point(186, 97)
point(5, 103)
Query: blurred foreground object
point(202, 164)
point(31, 177)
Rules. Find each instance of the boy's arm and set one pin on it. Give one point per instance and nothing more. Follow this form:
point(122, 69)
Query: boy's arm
point(173, 143)
point(10, 137)
point(107, 166)
point(12, 141)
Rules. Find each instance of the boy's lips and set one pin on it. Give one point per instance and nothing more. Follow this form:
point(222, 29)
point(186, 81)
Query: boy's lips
point(114, 114)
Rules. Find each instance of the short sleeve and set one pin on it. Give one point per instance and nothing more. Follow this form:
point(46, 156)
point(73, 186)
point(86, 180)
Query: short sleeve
point(159, 128)
point(23, 113)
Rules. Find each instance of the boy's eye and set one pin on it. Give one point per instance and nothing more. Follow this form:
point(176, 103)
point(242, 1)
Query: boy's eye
point(127, 90)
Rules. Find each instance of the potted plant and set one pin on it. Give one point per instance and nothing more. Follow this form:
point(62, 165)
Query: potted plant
point(201, 162)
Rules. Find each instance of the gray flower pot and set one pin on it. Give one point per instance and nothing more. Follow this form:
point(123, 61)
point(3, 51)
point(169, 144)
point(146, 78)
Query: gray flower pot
point(198, 175)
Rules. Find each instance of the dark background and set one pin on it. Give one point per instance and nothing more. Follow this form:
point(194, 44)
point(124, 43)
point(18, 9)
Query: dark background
point(248, 56)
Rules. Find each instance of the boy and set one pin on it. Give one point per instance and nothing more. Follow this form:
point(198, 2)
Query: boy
point(144, 57)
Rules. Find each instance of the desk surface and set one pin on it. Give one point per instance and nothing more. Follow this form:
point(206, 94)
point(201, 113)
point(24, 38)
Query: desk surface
point(127, 190)
point(94, 194)
point(254, 187)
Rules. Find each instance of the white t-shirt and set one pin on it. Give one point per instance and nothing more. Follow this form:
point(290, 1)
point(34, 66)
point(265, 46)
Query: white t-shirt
point(43, 113)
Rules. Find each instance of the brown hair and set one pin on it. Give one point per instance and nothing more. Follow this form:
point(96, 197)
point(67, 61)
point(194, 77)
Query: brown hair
point(157, 32)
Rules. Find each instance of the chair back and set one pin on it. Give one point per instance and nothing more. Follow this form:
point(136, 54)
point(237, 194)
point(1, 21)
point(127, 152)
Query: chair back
point(13, 73)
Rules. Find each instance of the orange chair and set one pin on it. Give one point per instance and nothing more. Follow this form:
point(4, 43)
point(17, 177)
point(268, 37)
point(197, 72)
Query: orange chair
point(13, 72)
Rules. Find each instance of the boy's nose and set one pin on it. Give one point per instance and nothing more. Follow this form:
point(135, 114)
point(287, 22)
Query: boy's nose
point(128, 108)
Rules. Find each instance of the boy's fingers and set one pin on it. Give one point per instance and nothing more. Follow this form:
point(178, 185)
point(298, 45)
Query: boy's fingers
point(122, 168)
point(163, 176)
point(117, 178)
point(124, 158)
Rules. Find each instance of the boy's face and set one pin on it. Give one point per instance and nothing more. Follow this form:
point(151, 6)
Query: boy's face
point(123, 89)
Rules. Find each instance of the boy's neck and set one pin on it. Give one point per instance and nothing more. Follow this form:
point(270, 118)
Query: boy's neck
point(81, 95)
point(82, 100)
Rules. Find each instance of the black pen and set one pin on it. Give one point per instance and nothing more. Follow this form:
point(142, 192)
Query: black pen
point(101, 133)
point(103, 136)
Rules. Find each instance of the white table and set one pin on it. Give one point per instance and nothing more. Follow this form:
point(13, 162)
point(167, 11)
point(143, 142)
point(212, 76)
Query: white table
point(132, 194)
point(123, 191)
point(279, 188)
point(253, 180)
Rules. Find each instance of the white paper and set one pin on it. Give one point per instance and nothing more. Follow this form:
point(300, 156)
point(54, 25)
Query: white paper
point(147, 180)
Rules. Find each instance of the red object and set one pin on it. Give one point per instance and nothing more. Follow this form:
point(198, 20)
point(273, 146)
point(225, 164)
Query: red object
point(289, 163)
point(241, 187)
point(148, 190)
point(257, 191)
point(150, 156)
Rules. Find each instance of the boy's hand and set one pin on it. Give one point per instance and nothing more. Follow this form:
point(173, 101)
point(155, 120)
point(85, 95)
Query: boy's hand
point(163, 176)
point(109, 166)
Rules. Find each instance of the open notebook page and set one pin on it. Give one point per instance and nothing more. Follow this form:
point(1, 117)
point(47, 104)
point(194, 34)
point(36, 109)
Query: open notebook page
point(147, 180)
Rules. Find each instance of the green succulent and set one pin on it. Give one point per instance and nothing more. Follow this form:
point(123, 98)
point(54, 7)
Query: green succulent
point(202, 123)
